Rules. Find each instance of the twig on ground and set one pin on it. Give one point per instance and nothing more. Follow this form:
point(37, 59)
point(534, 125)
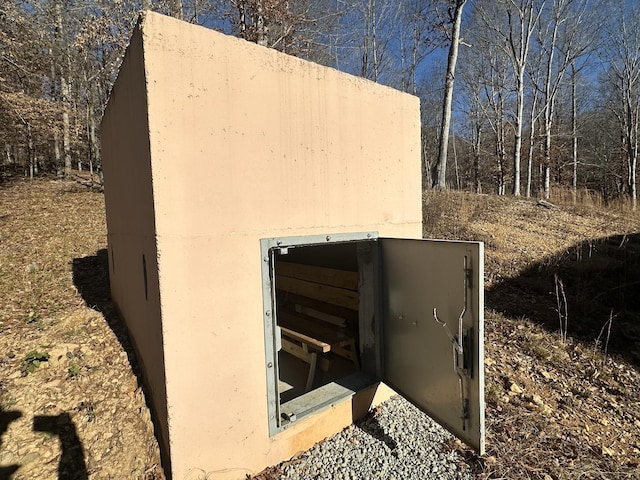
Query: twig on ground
point(561, 300)
point(607, 326)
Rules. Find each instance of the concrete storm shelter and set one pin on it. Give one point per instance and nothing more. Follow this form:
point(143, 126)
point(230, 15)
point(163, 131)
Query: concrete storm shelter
point(265, 252)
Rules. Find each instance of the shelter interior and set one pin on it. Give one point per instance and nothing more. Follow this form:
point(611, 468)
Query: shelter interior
point(323, 296)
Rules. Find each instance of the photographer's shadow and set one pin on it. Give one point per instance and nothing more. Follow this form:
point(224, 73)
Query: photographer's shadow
point(72, 463)
point(6, 417)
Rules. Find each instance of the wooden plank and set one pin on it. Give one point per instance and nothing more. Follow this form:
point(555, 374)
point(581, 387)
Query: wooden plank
point(348, 315)
point(315, 332)
point(299, 352)
point(326, 293)
point(296, 350)
point(312, 371)
point(322, 275)
point(312, 332)
point(304, 338)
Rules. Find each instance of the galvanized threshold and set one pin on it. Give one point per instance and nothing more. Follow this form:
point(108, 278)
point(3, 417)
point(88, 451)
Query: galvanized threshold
point(324, 397)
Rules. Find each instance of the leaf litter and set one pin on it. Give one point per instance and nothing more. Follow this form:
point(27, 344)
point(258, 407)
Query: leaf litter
point(556, 408)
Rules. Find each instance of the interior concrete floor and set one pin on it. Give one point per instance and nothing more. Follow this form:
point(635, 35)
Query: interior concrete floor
point(294, 373)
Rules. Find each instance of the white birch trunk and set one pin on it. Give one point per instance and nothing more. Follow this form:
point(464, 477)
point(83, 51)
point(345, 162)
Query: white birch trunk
point(440, 181)
point(574, 133)
point(532, 140)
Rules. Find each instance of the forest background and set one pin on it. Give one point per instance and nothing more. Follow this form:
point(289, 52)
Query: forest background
point(546, 96)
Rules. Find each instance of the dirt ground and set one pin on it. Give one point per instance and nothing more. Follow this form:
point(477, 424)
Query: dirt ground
point(558, 406)
point(71, 406)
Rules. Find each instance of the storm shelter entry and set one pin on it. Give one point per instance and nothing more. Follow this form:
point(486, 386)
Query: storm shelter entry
point(343, 312)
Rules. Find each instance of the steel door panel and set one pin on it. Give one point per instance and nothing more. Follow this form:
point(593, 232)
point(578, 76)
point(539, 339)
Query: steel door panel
point(419, 354)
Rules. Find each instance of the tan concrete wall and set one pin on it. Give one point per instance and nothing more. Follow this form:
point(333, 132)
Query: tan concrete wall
point(248, 143)
point(131, 223)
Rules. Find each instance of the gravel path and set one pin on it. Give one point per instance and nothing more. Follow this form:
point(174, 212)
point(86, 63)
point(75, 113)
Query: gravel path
point(398, 442)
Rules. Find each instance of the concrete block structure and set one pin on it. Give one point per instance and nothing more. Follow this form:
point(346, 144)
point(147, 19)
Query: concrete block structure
point(211, 145)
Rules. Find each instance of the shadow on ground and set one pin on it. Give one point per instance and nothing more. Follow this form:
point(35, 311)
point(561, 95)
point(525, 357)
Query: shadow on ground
point(599, 279)
point(91, 278)
point(370, 425)
point(72, 462)
point(6, 418)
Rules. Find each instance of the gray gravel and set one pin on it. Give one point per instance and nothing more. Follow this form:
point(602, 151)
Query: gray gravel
point(397, 443)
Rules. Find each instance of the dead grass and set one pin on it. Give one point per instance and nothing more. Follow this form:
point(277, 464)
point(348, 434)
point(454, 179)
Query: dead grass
point(48, 230)
point(588, 200)
point(554, 410)
point(40, 233)
point(571, 415)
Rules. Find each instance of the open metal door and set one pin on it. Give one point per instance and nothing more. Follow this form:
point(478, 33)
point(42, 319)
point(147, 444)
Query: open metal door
point(433, 314)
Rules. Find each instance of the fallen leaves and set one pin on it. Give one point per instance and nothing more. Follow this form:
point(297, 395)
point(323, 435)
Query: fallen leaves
point(607, 451)
point(515, 388)
point(77, 365)
point(554, 417)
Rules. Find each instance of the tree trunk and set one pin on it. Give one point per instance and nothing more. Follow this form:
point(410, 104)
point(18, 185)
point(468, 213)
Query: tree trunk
point(455, 159)
point(476, 158)
point(532, 139)
point(374, 42)
point(501, 157)
point(261, 28)
point(30, 153)
point(64, 89)
point(426, 164)
point(369, 22)
point(56, 152)
point(547, 181)
point(517, 139)
point(500, 146)
point(547, 158)
point(414, 60)
point(66, 137)
point(632, 145)
point(574, 133)
point(520, 52)
point(93, 140)
point(548, 118)
point(440, 182)
point(242, 19)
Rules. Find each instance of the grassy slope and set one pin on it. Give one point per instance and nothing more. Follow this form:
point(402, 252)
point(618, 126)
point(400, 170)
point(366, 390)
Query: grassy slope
point(554, 410)
point(54, 300)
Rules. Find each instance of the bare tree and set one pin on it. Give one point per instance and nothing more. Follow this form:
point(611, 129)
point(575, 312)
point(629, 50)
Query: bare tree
point(26, 116)
point(574, 129)
point(477, 82)
point(64, 67)
point(489, 65)
point(176, 9)
point(562, 41)
point(622, 55)
point(455, 16)
point(513, 37)
point(533, 119)
point(298, 28)
point(418, 37)
point(379, 28)
point(472, 72)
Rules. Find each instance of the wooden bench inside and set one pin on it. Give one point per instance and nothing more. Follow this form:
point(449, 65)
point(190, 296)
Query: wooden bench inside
point(317, 313)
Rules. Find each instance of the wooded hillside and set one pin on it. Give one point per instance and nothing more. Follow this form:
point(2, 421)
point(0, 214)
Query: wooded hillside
point(546, 92)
